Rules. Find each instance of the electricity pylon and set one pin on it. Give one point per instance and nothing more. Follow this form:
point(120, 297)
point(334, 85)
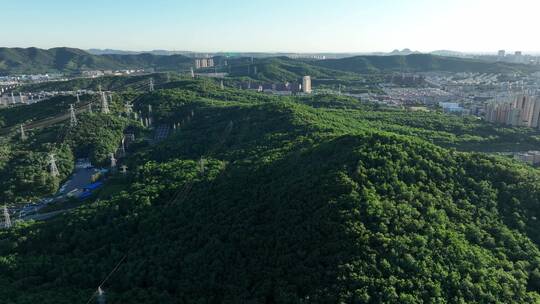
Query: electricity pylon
point(72, 117)
point(101, 296)
point(113, 161)
point(128, 107)
point(151, 85)
point(104, 104)
point(7, 219)
point(53, 167)
point(78, 98)
point(123, 149)
point(192, 73)
point(201, 165)
point(23, 134)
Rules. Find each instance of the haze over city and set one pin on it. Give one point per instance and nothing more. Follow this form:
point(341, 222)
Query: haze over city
point(273, 26)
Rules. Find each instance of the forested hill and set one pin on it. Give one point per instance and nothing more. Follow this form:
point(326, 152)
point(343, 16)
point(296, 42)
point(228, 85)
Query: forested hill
point(34, 60)
point(280, 69)
point(68, 60)
point(420, 63)
point(263, 199)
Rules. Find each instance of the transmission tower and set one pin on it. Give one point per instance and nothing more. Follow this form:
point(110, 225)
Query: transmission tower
point(101, 296)
point(89, 108)
point(123, 146)
point(7, 219)
point(123, 169)
point(54, 168)
point(192, 73)
point(23, 134)
point(113, 161)
point(72, 117)
point(151, 85)
point(104, 104)
point(222, 86)
point(128, 107)
point(78, 98)
point(201, 165)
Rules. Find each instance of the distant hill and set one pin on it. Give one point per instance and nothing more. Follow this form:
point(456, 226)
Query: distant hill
point(34, 60)
point(69, 60)
point(419, 63)
point(279, 69)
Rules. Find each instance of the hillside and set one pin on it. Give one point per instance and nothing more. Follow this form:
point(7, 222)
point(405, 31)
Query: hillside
point(68, 60)
point(419, 63)
point(263, 199)
point(279, 69)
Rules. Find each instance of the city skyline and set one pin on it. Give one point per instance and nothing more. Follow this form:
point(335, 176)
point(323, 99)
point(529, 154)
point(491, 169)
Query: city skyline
point(342, 26)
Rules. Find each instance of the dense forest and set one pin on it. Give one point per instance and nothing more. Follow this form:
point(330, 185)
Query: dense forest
point(70, 60)
point(263, 199)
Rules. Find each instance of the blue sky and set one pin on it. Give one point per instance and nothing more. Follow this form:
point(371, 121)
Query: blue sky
point(273, 25)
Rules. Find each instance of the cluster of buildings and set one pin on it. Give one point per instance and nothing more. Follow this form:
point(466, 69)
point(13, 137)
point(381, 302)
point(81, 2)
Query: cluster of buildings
point(415, 96)
point(202, 63)
point(453, 108)
point(517, 57)
point(101, 73)
point(530, 157)
point(523, 111)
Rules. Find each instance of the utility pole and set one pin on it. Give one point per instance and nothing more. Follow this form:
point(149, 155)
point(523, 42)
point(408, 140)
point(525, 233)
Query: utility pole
point(192, 73)
point(72, 117)
point(78, 98)
point(23, 134)
point(7, 219)
point(151, 85)
point(54, 168)
point(104, 104)
point(221, 85)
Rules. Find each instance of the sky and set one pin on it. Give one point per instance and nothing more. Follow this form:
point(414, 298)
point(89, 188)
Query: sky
point(273, 25)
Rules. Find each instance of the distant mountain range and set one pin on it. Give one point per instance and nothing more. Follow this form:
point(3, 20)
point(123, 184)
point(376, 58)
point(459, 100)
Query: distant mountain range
point(70, 60)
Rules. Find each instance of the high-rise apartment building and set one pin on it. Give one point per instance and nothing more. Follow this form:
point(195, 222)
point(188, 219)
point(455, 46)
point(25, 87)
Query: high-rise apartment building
point(306, 84)
point(522, 111)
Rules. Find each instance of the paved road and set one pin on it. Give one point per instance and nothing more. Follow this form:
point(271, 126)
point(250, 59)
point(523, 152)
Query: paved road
point(79, 179)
